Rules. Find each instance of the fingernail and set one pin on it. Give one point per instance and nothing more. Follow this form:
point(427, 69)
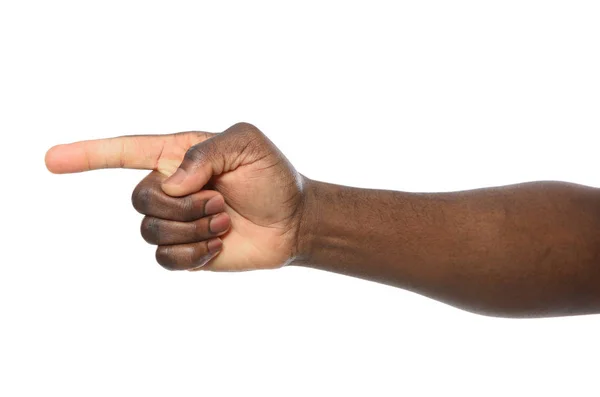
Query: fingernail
point(214, 205)
point(219, 223)
point(176, 178)
point(214, 245)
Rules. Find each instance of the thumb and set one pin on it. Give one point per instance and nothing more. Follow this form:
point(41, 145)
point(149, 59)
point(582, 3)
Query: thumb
point(239, 145)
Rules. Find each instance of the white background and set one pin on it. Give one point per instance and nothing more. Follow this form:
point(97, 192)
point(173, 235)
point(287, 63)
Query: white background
point(414, 96)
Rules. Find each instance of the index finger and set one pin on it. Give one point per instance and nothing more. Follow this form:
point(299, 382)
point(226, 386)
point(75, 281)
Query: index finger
point(152, 152)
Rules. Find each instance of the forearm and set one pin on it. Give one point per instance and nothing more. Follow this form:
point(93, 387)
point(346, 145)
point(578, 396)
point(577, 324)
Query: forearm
point(522, 250)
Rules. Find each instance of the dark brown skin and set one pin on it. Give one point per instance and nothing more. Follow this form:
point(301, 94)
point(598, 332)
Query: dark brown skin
point(527, 250)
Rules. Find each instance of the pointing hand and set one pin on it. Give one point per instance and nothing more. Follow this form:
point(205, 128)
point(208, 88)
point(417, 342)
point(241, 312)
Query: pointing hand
point(224, 202)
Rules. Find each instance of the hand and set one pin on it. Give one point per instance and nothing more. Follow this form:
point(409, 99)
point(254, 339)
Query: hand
point(263, 194)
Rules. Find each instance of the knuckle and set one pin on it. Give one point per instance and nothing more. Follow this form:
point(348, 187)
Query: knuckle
point(246, 128)
point(248, 133)
point(195, 153)
point(165, 258)
point(150, 230)
point(142, 198)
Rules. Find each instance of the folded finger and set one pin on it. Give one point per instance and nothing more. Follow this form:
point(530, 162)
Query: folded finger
point(149, 199)
point(165, 232)
point(188, 256)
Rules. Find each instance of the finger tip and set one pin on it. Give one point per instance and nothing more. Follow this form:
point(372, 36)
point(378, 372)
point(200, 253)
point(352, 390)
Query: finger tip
point(215, 245)
point(214, 204)
point(65, 159)
point(52, 160)
point(220, 224)
point(228, 217)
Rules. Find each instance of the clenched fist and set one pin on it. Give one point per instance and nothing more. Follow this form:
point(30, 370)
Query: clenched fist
point(225, 202)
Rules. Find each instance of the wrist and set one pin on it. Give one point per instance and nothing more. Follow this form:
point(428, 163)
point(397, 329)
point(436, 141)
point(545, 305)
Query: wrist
point(308, 221)
point(328, 232)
